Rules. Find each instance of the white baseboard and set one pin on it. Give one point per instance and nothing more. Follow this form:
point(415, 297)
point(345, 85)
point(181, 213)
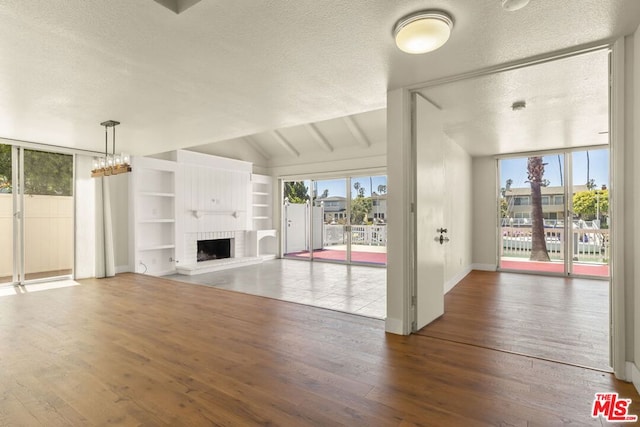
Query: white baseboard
point(484, 267)
point(393, 326)
point(449, 284)
point(633, 374)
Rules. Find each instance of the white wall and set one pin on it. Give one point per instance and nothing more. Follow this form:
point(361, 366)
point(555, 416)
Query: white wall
point(458, 213)
point(632, 203)
point(399, 197)
point(485, 213)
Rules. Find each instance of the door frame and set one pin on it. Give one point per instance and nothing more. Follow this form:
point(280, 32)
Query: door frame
point(346, 175)
point(567, 192)
point(399, 125)
point(18, 223)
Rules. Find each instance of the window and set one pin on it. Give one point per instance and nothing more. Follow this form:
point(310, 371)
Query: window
point(521, 200)
point(545, 200)
point(558, 200)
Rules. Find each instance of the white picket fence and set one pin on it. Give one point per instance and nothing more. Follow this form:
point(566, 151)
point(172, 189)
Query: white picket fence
point(587, 244)
point(370, 235)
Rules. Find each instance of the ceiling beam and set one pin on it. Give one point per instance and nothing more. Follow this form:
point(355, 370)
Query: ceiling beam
point(286, 144)
point(253, 144)
point(356, 131)
point(319, 137)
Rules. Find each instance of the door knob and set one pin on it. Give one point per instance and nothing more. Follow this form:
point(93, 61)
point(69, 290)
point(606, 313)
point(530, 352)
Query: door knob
point(441, 239)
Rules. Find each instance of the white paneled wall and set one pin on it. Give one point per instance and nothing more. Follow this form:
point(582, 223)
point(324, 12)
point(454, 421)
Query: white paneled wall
point(214, 199)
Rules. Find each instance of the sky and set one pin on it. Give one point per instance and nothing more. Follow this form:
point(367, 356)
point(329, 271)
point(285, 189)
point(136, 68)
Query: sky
point(337, 187)
point(516, 169)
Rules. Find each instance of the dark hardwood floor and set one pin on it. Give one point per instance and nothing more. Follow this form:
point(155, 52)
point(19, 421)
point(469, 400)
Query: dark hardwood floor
point(143, 351)
point(554, 318)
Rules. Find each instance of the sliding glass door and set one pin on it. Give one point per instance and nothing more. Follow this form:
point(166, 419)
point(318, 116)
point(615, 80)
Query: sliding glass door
point(6, 215)
point(553, 212)
point(339, 220)
point(36, 214)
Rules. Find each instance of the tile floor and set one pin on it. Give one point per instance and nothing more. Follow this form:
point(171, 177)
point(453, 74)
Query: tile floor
point(352, 289)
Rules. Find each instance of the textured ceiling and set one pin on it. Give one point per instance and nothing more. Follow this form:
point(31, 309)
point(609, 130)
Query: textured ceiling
point(221, 70)
point(567, 105)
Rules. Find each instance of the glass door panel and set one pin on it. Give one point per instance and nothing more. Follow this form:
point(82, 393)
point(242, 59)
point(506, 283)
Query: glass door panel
point(532, 214)
point(589, 242)
point(296, 217)
point(47, 212)
point(6, 215)
point(368, 220)
point(330, 219)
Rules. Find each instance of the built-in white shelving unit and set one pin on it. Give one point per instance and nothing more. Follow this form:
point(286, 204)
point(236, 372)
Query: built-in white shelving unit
point(154, 215)
point(263, 236)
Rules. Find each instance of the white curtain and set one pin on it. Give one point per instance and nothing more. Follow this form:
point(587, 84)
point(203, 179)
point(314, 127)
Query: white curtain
point(105, 259)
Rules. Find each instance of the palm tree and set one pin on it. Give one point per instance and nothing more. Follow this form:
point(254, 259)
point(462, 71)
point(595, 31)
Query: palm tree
point(535, 171)
point(356, 186)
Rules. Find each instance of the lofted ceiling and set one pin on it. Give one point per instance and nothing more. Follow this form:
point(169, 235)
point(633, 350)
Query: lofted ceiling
point(257, 74)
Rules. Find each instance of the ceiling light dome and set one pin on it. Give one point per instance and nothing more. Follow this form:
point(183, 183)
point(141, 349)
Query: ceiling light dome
point(513, 5)
point(423, 32)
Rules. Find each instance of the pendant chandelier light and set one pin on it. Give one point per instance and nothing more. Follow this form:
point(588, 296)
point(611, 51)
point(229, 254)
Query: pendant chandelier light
point(423, 31)
point(110, 164)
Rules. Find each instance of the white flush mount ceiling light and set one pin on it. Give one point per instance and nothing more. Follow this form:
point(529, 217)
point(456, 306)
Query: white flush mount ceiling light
point(513, 5)
point(423, 32)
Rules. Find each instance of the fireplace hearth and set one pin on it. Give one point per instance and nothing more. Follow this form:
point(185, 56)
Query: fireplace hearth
point(214, 249)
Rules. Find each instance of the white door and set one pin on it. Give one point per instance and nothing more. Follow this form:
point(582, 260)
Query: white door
point(296, 216)
point(429, 152)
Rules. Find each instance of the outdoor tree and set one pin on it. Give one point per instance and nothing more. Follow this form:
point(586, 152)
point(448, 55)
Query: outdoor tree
point(535, 174)
point(592, 204)
point(5, 168)
point(296, 192)
point(325, 193)
point(356, 186)
point(45, 173)
point(360, 208)
point(382, 189)
point(48, 173)
point(504, 206)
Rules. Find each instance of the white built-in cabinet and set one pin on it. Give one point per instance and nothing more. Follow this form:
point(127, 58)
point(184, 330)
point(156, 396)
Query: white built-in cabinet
point(154, 215)
point(190, 196)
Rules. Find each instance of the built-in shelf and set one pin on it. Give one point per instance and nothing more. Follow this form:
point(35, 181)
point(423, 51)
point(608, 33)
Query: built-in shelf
point(261, 202)
point(155, 194)
point(156, 247)
point(154, 215)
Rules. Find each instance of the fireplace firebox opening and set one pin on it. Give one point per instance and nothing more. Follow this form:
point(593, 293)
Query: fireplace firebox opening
point(214, 249)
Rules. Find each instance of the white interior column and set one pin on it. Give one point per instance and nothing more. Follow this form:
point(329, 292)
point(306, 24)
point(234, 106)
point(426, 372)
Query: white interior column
point(399, 198)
